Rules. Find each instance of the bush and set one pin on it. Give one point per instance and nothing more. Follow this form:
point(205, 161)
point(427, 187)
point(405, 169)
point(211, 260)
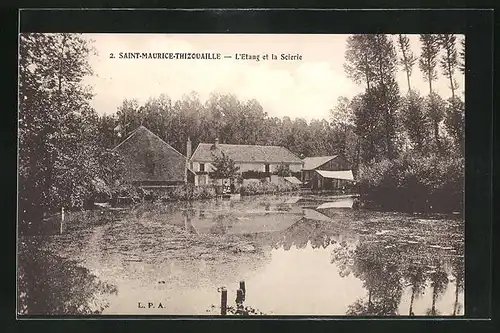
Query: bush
point(267, 188)
point(414, 183)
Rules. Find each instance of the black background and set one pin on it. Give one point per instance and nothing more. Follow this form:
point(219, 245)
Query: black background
point(476, 24)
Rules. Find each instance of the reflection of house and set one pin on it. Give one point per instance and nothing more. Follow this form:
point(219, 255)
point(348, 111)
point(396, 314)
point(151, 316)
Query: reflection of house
point(326, 172)
point(150, 161)
point(249, 158)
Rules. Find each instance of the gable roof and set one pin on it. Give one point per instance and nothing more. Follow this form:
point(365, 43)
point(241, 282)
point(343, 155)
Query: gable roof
point(246, 153)
point(343, 175)
point(148, 157)
point(311, 163)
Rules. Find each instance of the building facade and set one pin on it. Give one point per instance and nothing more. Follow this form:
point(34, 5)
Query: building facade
point(249, 158)
point(326, 172)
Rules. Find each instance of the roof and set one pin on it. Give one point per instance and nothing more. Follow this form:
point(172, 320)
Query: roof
point(246, 153)
point(293, 180)
point(311, 163)
point(343, 175)
point(148, 157)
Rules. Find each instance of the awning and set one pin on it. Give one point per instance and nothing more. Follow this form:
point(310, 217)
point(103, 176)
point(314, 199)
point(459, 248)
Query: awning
point(342, 175)
point(293, 180)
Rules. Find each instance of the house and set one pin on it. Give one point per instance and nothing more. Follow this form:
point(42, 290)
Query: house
point(257, 159)
point(151, 162)
point(326, 172)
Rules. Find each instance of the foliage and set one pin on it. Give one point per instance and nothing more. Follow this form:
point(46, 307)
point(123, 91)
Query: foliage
point(429, 57)
point(455, 122)
point(224, 166)
point(415, 183)
point(449, 61)
point(50, 285)
point(191, 192)
point(58, 162)
point(267, 188)
point(461, 64)
point(415, 120)
point(283, 171)
point(408, 59)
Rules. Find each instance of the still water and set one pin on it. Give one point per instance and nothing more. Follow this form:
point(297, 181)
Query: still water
point(297, 255)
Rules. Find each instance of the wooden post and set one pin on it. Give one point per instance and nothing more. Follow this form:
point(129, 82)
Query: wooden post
point(223, 301)
point(62, 221)
point(242, 287)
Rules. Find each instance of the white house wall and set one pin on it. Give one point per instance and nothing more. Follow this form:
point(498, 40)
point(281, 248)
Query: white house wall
point(249, 167)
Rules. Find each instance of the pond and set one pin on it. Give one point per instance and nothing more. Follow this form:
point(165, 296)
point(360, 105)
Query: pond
point(298, 255)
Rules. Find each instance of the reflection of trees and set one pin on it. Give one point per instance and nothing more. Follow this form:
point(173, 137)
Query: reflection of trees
point(439, 283)
point(458, 272)
point(415, 275)
point(379, 269)
point(51, 285)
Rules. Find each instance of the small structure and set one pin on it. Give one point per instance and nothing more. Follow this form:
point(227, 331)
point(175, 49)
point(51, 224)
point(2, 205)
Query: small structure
point(332, 180)
point(151, 162)
point(326, 172)
point(293, 180)
point(249, 158)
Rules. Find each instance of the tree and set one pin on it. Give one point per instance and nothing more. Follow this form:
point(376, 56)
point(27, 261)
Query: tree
point(372, 59)
point(461, 65)
point(407, 59)
point(414, 120)
point(435, 112)
point(224, 166)
point(449, 60)
point(428, 58)
point(359, 59)
point(455, 122)
point(283, 171)
point(56, 132)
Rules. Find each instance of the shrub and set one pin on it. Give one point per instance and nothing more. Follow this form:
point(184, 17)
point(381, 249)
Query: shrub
point(414, 183)
point(267, 188)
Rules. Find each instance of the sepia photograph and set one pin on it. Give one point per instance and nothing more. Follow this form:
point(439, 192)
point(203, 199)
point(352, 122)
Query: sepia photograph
point(241, 174)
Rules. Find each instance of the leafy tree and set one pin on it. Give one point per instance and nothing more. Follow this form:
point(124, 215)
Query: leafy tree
point(56, 124)
point(461, 64)
point(283, 171)
point(224, 166)
point(435, 112)
point(449, 61)
point(407, 59)
point(414, 120)
point(429, 57)
point(359, 59)
point(455, 122)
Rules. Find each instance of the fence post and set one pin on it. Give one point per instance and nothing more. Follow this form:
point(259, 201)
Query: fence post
point(242, 287)
point(223, 301)
point(62, 221)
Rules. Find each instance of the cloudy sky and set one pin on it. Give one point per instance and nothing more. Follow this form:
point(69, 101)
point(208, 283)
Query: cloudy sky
point(306, 88)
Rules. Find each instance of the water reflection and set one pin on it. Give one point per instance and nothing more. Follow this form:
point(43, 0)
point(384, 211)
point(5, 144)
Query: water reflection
point(297, 256)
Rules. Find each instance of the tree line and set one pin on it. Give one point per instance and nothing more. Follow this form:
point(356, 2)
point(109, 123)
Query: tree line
point(65, 146)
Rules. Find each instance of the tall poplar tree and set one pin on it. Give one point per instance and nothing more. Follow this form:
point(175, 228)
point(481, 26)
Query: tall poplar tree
point(449, 60)
point(429, 58)
point(407, 59)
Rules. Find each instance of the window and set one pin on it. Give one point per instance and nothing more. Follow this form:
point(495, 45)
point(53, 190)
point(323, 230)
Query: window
point(267, 168)
point(202, 167)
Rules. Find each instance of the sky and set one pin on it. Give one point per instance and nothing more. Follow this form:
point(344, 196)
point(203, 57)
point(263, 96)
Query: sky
point(306, 88)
